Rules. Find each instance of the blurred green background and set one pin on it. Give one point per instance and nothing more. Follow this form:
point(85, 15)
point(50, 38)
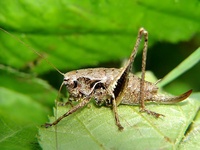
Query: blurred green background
point(75, 34)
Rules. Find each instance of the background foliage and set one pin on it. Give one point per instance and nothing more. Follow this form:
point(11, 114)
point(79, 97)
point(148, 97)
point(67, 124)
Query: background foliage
point(76, 34)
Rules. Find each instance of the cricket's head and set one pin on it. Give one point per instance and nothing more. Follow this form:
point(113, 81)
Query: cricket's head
point(78, 85)
point(81, 84)
point(72, 85)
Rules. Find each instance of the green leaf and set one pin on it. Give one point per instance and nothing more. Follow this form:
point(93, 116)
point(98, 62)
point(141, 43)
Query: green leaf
point(188, 63)
point(22, 108)
point(99, 31)
point(192, 137)
point(94, 128)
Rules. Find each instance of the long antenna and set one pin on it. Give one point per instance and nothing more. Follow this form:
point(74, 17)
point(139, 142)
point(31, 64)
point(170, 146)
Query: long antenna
point(35, 51)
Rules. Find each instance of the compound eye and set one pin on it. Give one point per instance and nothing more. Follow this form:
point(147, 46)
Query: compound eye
point(75, 84)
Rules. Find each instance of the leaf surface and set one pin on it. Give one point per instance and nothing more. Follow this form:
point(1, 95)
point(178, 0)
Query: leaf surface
point(95, 128)
point(22, 108)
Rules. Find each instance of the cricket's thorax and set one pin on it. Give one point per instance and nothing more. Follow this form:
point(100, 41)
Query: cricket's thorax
point(94, 83)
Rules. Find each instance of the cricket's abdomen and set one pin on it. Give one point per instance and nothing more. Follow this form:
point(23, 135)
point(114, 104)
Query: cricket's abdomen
point(131, 94)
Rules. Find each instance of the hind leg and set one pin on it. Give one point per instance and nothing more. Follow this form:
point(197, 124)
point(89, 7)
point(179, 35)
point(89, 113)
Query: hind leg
point(142, 81)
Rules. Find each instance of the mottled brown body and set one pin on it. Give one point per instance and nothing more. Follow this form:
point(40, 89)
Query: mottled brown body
point(94, 82)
